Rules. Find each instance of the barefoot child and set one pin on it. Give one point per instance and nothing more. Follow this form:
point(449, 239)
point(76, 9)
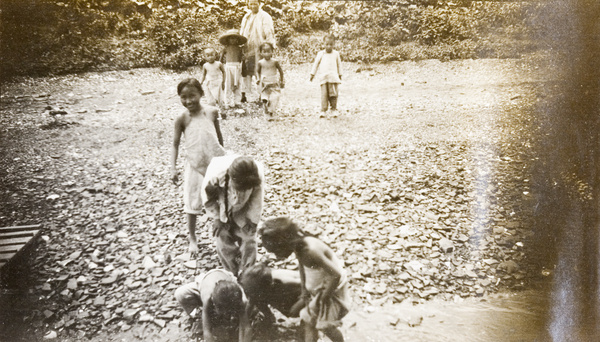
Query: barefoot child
point(232, 56)
point(329, 66)
point(214, 75)
point(324, 284)
point(203, 141)
point(270, 85)
point(232, 194)
point(223, 305)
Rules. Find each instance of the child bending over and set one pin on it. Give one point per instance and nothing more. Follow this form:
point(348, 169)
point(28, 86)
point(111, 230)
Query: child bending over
point(270, 85)
point(281, 289)
point(324, 285)
point(203, 141)
point(223, 306)
point(329, 66)
point(214, 75)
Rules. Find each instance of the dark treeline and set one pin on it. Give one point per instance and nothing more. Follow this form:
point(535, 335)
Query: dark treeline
point(41, 37)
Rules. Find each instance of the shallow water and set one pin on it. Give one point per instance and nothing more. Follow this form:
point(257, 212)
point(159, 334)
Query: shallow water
point(503, 317)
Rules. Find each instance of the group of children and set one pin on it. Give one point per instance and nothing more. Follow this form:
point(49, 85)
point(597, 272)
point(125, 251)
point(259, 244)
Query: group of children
point(223, 84)
point(229, 188)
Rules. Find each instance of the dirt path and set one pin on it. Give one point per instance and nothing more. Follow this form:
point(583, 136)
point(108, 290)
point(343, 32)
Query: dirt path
point(422, 151)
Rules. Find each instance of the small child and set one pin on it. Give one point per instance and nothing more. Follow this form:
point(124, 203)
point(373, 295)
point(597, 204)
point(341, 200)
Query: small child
point(278, 288)
point(324, 285)
point(214, 75)
point(270, 85)
point(232, 57)
point(203, 141)
point(223, 303)
point(329, 65)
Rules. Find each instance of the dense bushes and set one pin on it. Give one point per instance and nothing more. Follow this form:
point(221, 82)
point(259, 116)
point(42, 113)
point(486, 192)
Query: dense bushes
point(46, 36)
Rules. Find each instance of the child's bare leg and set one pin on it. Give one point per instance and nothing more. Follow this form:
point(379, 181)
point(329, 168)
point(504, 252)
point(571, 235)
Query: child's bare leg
point(334, 334)
point(265, 105)
point(311, 334)
point(333, 102)
point(191, 221)
point(324, 98)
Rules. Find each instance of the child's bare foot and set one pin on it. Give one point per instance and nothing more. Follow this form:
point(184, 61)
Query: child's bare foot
point(193, 247)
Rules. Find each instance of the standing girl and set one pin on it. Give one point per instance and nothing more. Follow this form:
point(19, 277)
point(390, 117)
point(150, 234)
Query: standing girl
point(214, 75)
point(324, 285)
point(329, 66)
point(203, 141)
point(270, 83)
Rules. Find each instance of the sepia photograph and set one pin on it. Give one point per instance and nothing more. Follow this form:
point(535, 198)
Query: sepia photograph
point(288, 170)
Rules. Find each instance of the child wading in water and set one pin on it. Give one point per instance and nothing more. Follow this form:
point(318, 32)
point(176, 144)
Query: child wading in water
point(214, 75)
point(323, 279)
point(329, 66)
point(270, 85)
point(232, 56)
point(203, 141)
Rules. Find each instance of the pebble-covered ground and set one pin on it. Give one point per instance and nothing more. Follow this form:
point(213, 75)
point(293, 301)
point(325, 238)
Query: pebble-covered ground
point(420, 185)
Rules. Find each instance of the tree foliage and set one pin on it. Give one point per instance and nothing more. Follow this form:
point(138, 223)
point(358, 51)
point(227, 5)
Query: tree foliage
point(48, 36)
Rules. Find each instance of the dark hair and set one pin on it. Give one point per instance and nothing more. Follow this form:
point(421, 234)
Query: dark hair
point(264, 45)
point(244, 172)
point(229, 298)
point(281, 229)
point(329, 36)
point(192, 82)
point(256, 281)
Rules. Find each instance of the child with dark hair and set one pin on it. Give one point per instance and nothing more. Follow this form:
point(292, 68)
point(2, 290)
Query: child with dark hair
point(278, 288)
point(223, 304)
point(269, 83)
point(214, 75)
point(324, 284)
point(203, 141)
point(232, 194)
point(328, 65)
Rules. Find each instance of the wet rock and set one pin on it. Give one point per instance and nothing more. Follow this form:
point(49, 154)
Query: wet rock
point(51, 335)
point(508, 266)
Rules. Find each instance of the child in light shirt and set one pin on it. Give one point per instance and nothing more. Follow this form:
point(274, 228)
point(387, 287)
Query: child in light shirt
point(329, 67)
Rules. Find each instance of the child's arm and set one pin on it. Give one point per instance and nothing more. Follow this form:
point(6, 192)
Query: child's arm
point(305, 296)
point(206, 326)
point(258, 72)
point(245, 328)
point(203, 74)
point(316, 65)
point(281, 80)
point(215, 118)
point(339, 65)
point(222, 72)
point(179, 127)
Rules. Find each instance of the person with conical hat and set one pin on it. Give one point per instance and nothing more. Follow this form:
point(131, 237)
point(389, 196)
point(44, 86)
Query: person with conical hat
point(232, 59)
point(257, 27)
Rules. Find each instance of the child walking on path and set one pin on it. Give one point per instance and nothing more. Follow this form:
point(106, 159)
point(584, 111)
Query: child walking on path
point(232, 194)
point(329, 66)
point(232, 57)
point(223, 304)
point(203, 141)
point(214, 75)
point(324, 284)
point(270, 85)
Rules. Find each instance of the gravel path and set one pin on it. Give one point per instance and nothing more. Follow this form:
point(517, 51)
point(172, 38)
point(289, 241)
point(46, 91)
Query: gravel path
point(421, 185)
